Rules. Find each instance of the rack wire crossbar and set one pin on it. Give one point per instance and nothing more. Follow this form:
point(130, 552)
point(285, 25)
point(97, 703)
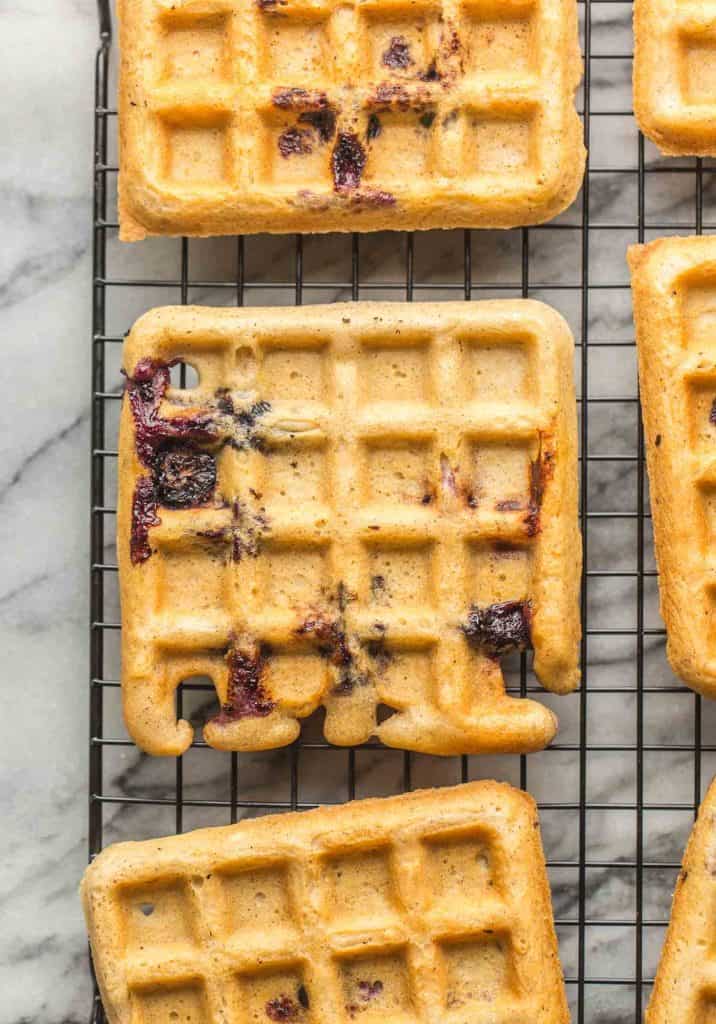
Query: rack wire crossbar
point(609, 954)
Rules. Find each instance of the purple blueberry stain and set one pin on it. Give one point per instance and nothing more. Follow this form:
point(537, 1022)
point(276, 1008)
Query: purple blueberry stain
point(182, 475)
point(397, 56)
point(347, 162)
point(246, 696)
point(328, 633)
point(282, 1008)
point(509, 505)
point(541, 470)
point(144, 516)
point(368, 990)
point(146, 389)
point(300, 99)
point(294, 142)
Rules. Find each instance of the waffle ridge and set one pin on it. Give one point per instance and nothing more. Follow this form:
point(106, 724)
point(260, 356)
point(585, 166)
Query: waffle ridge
point(674, 294)
point(419, 907)
point(238, 116)
point(685, 984)
point(395, 509)
point(675, 75)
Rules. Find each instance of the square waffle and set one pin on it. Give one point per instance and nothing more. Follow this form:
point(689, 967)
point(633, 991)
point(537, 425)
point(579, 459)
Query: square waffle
point(674, 293)
point(685, 985)
point(360, 506)
point(675, 75)
point(431, 906)
point(239, 116)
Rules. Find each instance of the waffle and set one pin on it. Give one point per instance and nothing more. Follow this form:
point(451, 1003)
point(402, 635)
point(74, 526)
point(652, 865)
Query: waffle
point(675, 75)
point(360, 506)
point(674, 291)
point(431, 906)
point(239, 116)
point(685, 985)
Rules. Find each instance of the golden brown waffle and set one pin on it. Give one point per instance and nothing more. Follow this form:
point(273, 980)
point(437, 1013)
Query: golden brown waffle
point(674, 292)
point(685, 986)
point(675, 75)
point(368, 505)
point(312, 115)
point(431, 906)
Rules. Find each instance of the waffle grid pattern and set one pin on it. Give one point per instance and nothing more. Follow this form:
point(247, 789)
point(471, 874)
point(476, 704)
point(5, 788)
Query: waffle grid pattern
point(381, 462)
point(685, 983)
point(609, 956)
point(231, 94)
point(675, 74)
point(675, 302)
point(390, 916)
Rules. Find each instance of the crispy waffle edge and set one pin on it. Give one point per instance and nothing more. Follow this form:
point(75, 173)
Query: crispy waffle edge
point(509, 814)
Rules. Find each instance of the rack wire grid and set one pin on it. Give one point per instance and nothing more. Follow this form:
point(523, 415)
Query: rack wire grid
point(619, 788)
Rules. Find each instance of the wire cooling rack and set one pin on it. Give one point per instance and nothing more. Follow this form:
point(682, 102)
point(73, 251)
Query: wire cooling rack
point(618, 790)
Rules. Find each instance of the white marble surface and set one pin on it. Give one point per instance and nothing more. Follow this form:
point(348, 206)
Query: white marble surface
point(46, 52)
point(45, 180)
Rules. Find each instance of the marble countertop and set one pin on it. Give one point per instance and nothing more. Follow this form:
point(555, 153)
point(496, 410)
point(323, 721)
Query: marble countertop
point(46, 51)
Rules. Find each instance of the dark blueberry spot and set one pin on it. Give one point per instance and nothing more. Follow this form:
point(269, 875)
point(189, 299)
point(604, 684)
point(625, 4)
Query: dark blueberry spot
point(454, 42)
point(329, 635)
point(147, 909)
point(330, 638)
point(541, 470)
point(224, 402)
point(368, 990)
point(294, 142)
point(323, 120)
point(394, 94)
point(374, 197)
point(300, 99)
point(427, 118)
point(377, 650)
point(144, 516)
point(398, 53)
point(431, 73)
point(344, 596)
point(712, 414)
point(247, 530)
point(303, 996)
point(498, 628)
point(245, 696)
point(657, 440)
point(282, 1008)
point(247, 422)
point(347, 161)
point(184, 477)
point(374, 127)
point(509, 505)
point(377, 585)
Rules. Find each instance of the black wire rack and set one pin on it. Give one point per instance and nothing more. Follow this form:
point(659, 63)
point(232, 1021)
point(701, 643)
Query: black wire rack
point(619, 789)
